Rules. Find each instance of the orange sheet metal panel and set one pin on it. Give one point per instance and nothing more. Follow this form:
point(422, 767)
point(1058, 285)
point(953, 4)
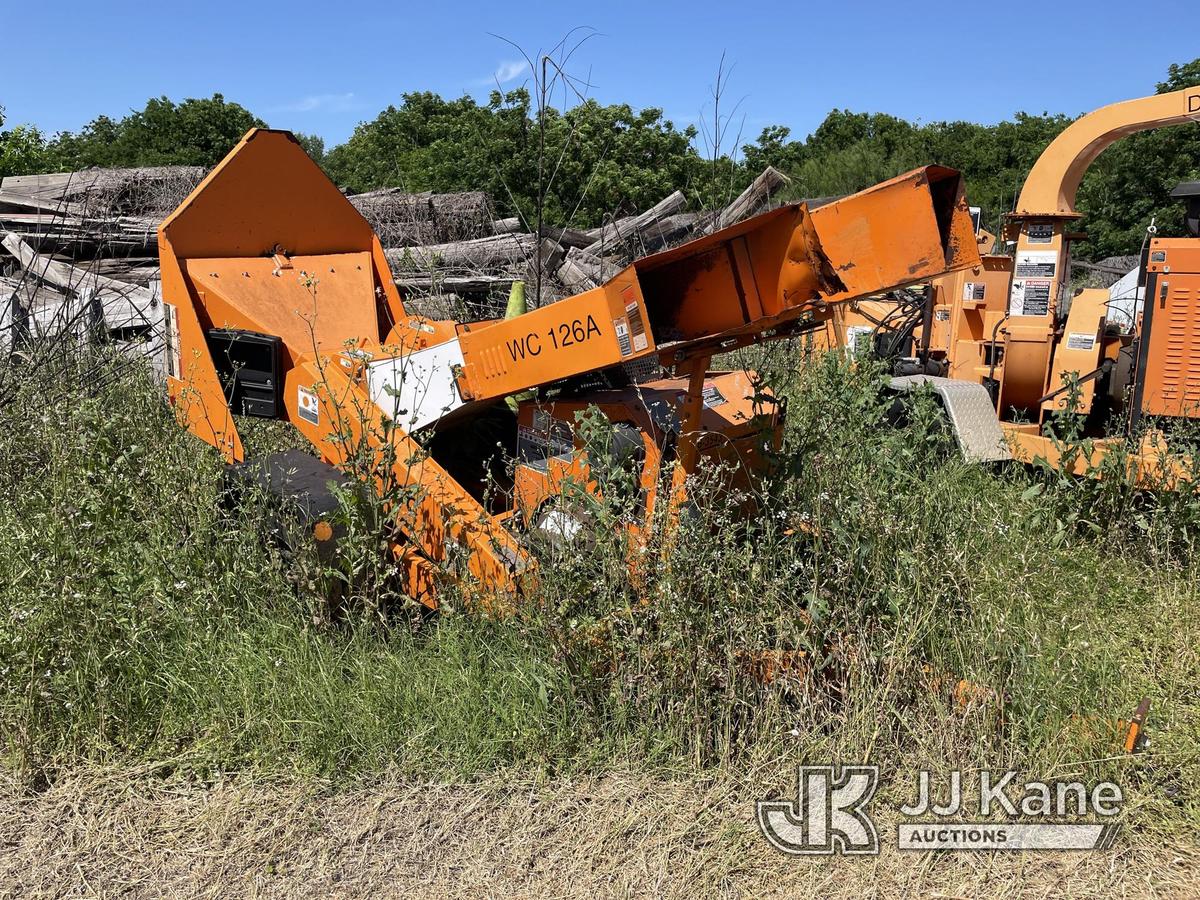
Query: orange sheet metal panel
point(729, 279)
point(1025, 370)
point(738, 419)
point(193, 387)
point(445, 523)
point(911, 228)
point(791, 266)
point(323, 300)
point(1168, 379)
point(266, 196)
point(266, 192)
point(590, 331)
point(770, 270)
point(1079, 351)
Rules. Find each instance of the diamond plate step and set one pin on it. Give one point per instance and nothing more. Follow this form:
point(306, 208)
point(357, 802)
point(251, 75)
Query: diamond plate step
point(972, 415)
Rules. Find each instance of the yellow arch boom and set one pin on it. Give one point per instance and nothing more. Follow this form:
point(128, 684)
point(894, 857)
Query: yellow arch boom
point(1050, 189)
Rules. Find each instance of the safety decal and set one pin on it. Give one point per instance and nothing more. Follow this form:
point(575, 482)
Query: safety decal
point(1036, 264)
point(1039, 232)
point(171, 321)
point(308, 406)
point(1029, 297)
point(622, 331)
point(712, 396)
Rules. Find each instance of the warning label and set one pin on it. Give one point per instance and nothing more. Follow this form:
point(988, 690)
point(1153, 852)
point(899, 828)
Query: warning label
point(637, 327)
point(308, 406)
point(623, 336)
point(1029, 297)
point(856, 334)
point(1077, 340)
point(712, 396)
point(171, 321)
point(974, 290)
point(1036, 264)
point(1039, 232)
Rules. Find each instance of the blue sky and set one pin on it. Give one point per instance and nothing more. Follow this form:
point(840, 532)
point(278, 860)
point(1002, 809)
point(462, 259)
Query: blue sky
point(323, 67)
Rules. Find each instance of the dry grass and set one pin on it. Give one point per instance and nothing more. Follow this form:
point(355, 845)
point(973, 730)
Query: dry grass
point(120, 833)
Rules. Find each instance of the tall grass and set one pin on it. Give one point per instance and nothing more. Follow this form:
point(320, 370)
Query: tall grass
point(141, 623)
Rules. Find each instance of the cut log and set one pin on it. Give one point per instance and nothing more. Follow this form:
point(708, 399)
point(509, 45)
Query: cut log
point(668, 232)
point(506, 226)
point(14, 314)
point(480, 255)
point(51, 207)
point(595, 267)
point(550, 256)
point(569, 237)
point(33, 311)
point(626, 228)
point(595, 234)
point(753, 199)
point(457, 284)
point(574, 277)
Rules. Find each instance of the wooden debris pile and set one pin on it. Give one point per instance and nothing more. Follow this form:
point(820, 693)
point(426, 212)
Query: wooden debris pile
point(79, 249)
point(403, 220)
point(471, 276)
point(79, 259)
point(106, 215)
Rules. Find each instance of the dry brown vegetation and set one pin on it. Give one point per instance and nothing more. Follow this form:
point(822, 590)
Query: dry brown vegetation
point(101, 834)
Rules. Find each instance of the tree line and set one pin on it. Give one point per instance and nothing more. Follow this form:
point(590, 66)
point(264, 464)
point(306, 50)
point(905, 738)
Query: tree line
point(598, 161)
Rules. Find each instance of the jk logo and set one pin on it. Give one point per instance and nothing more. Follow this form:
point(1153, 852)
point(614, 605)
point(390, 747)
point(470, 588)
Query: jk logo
point(828, 815)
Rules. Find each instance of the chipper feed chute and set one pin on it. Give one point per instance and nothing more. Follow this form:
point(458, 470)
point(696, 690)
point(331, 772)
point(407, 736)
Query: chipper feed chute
point(280, 303)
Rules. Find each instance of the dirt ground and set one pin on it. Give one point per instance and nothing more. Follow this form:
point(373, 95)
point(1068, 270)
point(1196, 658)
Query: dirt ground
point(122, 834)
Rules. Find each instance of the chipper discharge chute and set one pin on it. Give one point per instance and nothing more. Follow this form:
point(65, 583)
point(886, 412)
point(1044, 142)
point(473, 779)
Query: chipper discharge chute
point(279, 303)
point(1125, 361)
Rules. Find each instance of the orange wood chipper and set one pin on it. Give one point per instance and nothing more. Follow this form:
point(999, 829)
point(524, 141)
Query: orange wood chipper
point(1128, 363)
point(279, 303)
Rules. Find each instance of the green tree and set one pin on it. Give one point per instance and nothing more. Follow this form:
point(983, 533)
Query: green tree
point(1130, 184)
point(313, 144)
point(599, 159)
point(773, 149)
point(993, 159)
point(196, 132)
point(851, 151)
point(1127, 187)
point(22, 150)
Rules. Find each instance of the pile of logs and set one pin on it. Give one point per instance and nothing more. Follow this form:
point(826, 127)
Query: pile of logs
point(106, 216)
point(78, 250)
point(470, 277)
point(403, 220)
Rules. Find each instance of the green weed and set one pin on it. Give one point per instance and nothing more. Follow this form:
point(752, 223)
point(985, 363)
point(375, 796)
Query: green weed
point(139, 622)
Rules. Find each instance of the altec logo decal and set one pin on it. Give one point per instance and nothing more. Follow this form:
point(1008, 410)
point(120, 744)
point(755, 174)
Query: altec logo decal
point(829, 814)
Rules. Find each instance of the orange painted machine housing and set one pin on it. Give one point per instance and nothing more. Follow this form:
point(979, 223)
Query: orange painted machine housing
point(1009, 324)
point(1167, 381)
point(267, 247)
point(740, 424)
